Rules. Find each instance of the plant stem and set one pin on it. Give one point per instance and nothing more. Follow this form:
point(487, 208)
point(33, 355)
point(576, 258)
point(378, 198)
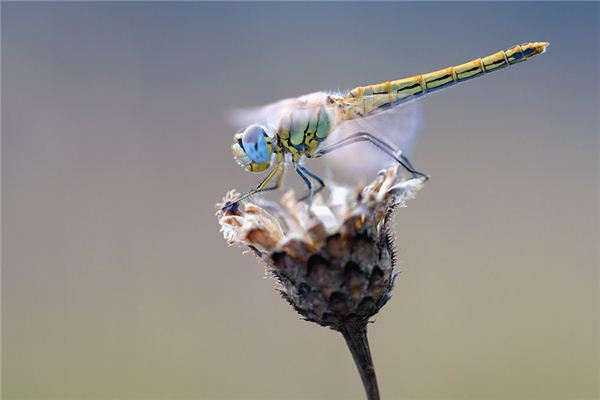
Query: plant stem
point(356, 338)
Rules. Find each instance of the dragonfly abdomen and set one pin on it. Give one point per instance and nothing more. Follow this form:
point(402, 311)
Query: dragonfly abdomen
point(364, 100)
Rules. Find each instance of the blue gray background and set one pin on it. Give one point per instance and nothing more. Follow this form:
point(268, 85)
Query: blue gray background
point(117, 284)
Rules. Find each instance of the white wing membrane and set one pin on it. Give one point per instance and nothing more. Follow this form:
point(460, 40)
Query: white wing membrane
point(271, 113)
point(398, 126)
point(267, 114)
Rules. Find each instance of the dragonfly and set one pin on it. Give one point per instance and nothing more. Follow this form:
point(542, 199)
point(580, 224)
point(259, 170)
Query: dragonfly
point(290, 131)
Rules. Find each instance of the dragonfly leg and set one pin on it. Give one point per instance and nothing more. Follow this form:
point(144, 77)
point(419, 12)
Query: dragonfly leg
point(373, 139)
point(230, 206)
point(279, 181)
point(380, 144)
point(316, 178)
point(308, 183)
point(406, 160)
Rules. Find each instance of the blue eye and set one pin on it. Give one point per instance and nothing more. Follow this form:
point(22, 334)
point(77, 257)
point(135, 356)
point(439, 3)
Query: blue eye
point(255, 144)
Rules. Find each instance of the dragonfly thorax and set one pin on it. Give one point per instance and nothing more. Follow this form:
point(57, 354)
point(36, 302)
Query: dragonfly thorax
point(303, 128)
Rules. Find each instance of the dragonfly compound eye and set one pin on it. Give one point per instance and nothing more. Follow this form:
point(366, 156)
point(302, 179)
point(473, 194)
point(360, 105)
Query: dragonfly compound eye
point(256, 144)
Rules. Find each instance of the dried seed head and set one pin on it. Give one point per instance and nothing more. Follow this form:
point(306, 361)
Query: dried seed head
point(334, 261)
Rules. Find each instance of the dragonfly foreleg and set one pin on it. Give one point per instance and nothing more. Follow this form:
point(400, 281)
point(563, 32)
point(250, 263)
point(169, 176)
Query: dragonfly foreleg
point(380, 144)
point(260, 187)
point(279, 181)
point(316, 177)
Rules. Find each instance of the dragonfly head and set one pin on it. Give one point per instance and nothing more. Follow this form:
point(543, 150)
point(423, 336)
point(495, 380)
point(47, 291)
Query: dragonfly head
point(253, 148)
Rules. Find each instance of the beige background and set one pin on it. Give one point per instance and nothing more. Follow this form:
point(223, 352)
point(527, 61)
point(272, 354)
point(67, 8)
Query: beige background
point(116, 283)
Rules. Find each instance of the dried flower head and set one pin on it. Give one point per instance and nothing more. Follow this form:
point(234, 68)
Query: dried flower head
point(335, 260)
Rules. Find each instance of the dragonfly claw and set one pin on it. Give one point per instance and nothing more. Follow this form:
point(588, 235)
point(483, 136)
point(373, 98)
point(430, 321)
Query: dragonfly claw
point(231, 207)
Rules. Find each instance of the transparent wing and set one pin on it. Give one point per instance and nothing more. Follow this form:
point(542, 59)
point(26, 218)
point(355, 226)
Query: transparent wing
point(267, 114)
point(271, 113)
point(398, 126)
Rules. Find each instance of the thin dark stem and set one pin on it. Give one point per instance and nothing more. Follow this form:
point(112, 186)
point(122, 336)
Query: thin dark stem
point(356, 338)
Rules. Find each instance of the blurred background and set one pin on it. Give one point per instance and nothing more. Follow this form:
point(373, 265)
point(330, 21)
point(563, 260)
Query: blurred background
point(117, 283)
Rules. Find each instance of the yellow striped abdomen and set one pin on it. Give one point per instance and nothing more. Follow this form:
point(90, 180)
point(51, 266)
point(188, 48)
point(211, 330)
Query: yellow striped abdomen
point(364, 100)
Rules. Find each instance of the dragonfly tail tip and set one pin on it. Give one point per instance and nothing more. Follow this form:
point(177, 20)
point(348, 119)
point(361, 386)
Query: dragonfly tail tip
point(542, 46)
